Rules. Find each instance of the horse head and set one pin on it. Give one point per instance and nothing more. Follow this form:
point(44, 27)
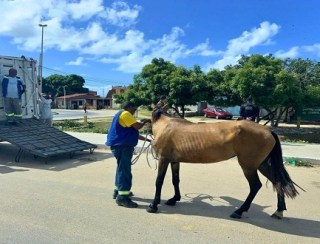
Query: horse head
point(156, 114)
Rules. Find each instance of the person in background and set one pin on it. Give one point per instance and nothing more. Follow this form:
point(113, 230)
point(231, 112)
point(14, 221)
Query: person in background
point(162, 104)
point(122, 137)
point(291, 113)
point(45, 110)
point(85, 107)
point(249, 111)
point(12, 90)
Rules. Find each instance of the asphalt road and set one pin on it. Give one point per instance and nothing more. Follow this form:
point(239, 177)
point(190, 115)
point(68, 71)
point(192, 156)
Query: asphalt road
point(69, 201)
point(60, 114)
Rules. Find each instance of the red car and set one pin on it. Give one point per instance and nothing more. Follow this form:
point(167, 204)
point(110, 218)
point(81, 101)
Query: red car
point(216, 112)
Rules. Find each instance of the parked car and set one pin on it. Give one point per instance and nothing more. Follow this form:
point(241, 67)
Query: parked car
point(216, 112)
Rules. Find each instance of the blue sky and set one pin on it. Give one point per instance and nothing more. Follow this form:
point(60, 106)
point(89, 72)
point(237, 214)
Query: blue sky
point(107, 42)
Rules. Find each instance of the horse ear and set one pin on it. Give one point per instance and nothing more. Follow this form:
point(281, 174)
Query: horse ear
point(156, 114)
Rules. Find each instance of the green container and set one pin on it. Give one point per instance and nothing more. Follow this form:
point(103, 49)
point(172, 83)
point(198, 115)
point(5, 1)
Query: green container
point(311, 114)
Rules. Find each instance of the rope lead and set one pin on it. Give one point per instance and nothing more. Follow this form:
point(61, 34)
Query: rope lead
point(146, 148)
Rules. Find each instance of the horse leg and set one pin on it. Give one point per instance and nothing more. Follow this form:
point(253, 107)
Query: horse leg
point(175, 168)
point(162, 169)
point(255, 185)
point(264, 168)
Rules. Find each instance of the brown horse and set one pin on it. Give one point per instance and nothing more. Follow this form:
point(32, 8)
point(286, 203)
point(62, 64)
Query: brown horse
point(256, 147)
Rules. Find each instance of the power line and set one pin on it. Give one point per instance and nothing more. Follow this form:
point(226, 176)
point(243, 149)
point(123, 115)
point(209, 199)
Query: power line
point(88, 78)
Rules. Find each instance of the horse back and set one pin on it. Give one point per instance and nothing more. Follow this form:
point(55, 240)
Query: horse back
point(212, 142)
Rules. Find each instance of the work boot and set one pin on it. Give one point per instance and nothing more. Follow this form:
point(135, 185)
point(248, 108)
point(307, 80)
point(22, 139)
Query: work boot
point(126, 202)
point(115, 194)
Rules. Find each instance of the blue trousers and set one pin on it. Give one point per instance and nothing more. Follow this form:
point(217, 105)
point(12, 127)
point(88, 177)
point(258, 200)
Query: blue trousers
point(123, 181)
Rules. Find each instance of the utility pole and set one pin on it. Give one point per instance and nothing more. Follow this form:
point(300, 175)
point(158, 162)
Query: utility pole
point(64, 97)
point(102, 98)
point(41, 56)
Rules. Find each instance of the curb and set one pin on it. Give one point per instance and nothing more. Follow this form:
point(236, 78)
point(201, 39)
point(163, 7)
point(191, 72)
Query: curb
point(286, 158)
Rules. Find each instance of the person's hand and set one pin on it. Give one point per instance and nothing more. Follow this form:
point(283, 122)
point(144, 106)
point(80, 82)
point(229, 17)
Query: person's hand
point(146, 121)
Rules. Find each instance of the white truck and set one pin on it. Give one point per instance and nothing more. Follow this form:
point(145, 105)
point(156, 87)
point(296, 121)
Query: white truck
point(31, 135)
point(27, 71)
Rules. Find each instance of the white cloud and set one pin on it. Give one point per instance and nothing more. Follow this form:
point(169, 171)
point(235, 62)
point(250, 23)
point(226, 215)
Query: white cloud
point(292, 53)
point(137, 52)
point(248, 40)
point(112, 44)
point(242, 44)
point(19, 27)
point(120, 14)
point(67, 31)
point(221, 63)
point(77, 62)
point(86, 26)
point(203, 49)
point(314, 49)
point(85, 9)
point(59, 15)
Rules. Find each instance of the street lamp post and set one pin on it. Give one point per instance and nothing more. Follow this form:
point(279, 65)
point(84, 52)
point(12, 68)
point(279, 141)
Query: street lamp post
point(102, 98)
point(64, 97)
point(41, 55)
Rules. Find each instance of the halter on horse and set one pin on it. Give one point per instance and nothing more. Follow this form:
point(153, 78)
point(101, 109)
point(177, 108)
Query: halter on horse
point(256, 147)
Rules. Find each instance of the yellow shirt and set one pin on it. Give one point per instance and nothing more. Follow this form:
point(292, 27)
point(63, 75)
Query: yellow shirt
point(126, 119)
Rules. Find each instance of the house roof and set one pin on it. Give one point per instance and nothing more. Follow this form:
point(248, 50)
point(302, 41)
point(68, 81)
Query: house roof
point(115, 90)
point(79, 96)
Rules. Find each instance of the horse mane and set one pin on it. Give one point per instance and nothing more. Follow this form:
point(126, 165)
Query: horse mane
point(156, 114)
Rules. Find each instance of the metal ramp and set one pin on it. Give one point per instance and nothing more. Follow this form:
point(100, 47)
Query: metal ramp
point(36, 138)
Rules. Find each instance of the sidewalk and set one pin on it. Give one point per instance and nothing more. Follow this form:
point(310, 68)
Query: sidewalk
point(301, 151)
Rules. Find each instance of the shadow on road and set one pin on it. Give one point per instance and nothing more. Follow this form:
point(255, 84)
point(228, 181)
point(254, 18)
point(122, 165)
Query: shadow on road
point(56, 163)
point(198, 204)
point(6, 170)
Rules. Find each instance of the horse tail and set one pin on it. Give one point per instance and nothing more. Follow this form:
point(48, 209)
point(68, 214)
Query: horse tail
point(280, 178)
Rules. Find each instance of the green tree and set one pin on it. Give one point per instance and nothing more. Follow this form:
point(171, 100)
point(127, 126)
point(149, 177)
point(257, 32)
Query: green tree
point(75, 84)
point(156, 79)
point(307, 73)
point(182, 86)
point(55, 84)
point(265, 79)
point(287, 94)
point(256, 77)
point(275, 85)
point(221, 93)
point(200, 84)
point(181, 89)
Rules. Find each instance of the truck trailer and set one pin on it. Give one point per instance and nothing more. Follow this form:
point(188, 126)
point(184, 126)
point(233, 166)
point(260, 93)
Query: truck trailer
point(30, 134)
point(26, 70)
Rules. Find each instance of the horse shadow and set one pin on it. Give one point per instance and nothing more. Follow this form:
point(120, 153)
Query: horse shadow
point(221, 207)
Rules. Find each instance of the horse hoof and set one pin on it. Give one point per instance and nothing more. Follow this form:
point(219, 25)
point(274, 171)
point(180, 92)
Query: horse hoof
point(277, 215)
point(235, 216)
point(171, 202)
point(152, 209)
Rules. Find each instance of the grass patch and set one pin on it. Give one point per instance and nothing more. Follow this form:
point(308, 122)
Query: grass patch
point(97, 125)
point(297, 162)
point(79, 126)
point(301, 135)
